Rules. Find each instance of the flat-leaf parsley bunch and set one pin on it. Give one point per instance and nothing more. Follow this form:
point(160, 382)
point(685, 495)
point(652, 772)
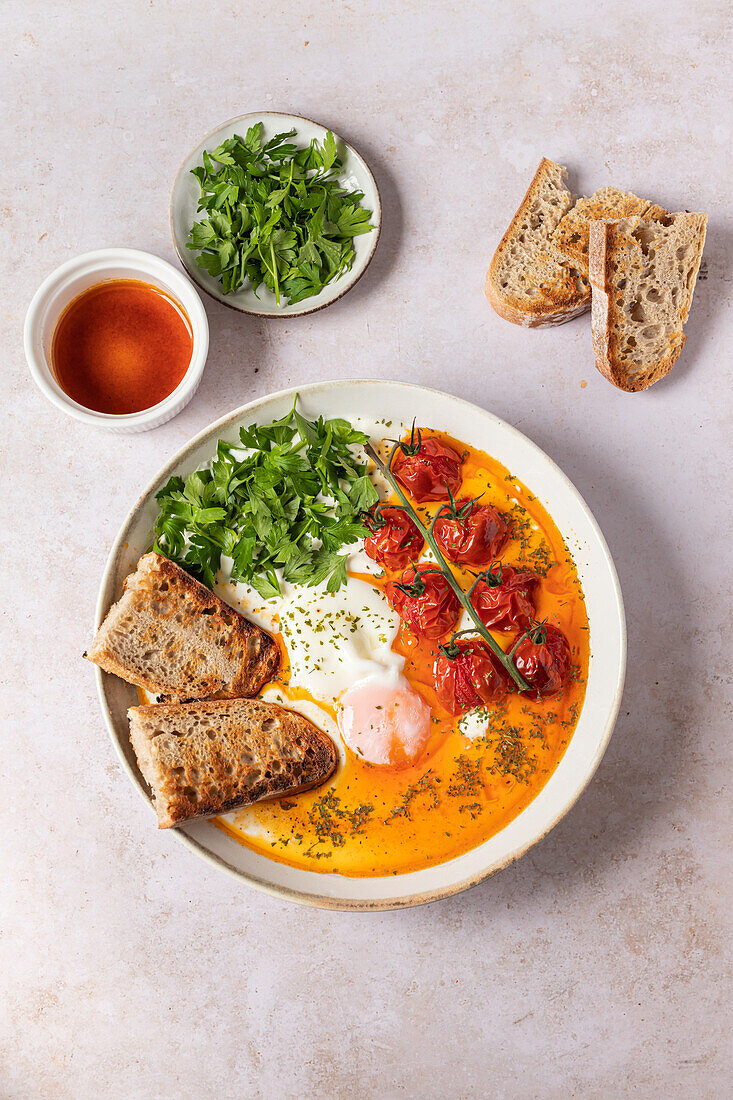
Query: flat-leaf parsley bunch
point(276, 214)
point(290, 503)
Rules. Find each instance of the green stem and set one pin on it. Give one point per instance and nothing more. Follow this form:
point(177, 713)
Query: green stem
point(463, 597)
point(274, 273)
point(518, 642)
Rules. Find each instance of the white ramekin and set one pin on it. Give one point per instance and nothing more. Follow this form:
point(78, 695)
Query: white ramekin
point(89, 269)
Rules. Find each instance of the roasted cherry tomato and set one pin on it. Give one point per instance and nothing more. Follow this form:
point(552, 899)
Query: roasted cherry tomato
point(468, 675)
point(395, 541)
point(543, 659)
point(427, 468)
point(503, 598)
point(470, 533)
point(425, 601)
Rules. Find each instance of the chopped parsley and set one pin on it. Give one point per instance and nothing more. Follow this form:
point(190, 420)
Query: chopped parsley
point(466, 778)
point(511, 755)
point(285, 499)
point(276, 215)
point(329, 820)
point(426, 784)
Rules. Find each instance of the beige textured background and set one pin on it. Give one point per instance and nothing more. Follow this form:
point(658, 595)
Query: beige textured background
point(597, 965)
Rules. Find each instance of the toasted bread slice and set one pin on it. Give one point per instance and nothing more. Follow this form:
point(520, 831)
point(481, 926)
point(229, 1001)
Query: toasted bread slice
point(172, 636)
point(643, 276)
point(201, 759)
point(527, 283)
point(570, 239)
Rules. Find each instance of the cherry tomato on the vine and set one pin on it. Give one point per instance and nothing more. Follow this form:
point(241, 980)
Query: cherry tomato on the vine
point(394, 541)
point(425, 601)
point(470, 533)
point(543, 659)
point(468, 675)
point(503, 598)
point(427, 468)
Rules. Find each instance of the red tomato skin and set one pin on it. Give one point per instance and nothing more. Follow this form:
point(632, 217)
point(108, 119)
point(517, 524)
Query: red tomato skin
point(432, 614)
point(545, 666)
point(473, 679)
point(396, 544)
point(431, 472)
point(509, 605)
point(477, 539)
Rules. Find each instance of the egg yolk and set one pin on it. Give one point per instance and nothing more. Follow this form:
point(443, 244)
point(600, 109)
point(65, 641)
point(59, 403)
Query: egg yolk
point(384, 721)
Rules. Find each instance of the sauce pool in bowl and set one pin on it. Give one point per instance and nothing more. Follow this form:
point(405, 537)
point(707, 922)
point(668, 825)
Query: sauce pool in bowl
point(121, 346)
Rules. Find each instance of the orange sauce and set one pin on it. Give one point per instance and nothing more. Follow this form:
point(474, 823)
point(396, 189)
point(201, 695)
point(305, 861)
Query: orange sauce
point(461, 791)
point(121, 347)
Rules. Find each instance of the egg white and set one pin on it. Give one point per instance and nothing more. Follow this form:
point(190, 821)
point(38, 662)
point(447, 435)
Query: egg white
point(335, 639)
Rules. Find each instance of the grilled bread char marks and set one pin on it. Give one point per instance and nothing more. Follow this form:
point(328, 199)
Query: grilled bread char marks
point(527, 282)
point(643, 275)
point(571, 238)
point(202, 759)
point(172, 636)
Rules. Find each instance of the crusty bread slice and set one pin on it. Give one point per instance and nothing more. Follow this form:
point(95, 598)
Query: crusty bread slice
point(201, 759)
point(172, 636)
point(570, 239)
point(643, 276)
point(527, 283)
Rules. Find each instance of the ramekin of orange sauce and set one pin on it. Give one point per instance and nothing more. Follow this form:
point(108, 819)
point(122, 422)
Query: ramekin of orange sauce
point(117, 338)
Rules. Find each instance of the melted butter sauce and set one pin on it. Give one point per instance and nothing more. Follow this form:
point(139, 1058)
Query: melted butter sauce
point(377, 821)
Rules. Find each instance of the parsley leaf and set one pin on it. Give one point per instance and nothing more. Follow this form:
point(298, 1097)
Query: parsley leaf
point(276, 215)
point(363, 493)
point(284, 501)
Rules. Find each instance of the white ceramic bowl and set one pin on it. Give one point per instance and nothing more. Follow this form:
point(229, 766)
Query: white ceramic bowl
point(607, 634)
point(355, 175)
point(72, 279)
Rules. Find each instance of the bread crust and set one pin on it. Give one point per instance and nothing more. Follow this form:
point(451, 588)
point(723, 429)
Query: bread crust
point(558, 300)
point(598, 270)
point(605, 241)
point(545, 314)
point(207, 758)
point(260, 654)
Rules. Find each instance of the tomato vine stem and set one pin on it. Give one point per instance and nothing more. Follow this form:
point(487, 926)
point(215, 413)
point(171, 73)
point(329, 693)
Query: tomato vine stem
point(463, 597)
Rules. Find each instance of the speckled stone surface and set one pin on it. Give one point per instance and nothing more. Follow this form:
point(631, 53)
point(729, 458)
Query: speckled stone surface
point(596, 966)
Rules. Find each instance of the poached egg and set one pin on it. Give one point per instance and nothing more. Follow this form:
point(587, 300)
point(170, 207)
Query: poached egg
point(340, 652)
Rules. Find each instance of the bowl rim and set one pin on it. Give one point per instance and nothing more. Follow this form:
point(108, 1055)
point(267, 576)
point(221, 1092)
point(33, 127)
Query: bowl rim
point(153, 266)
point(323, 901)
point(191, 269)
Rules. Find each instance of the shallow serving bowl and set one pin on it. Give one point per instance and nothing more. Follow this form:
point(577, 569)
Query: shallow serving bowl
point(607, 634)
point(355, 175)
point(79, 274)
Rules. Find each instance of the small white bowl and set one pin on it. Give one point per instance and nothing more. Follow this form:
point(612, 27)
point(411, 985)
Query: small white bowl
point(69, 281)
point(355, 174)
